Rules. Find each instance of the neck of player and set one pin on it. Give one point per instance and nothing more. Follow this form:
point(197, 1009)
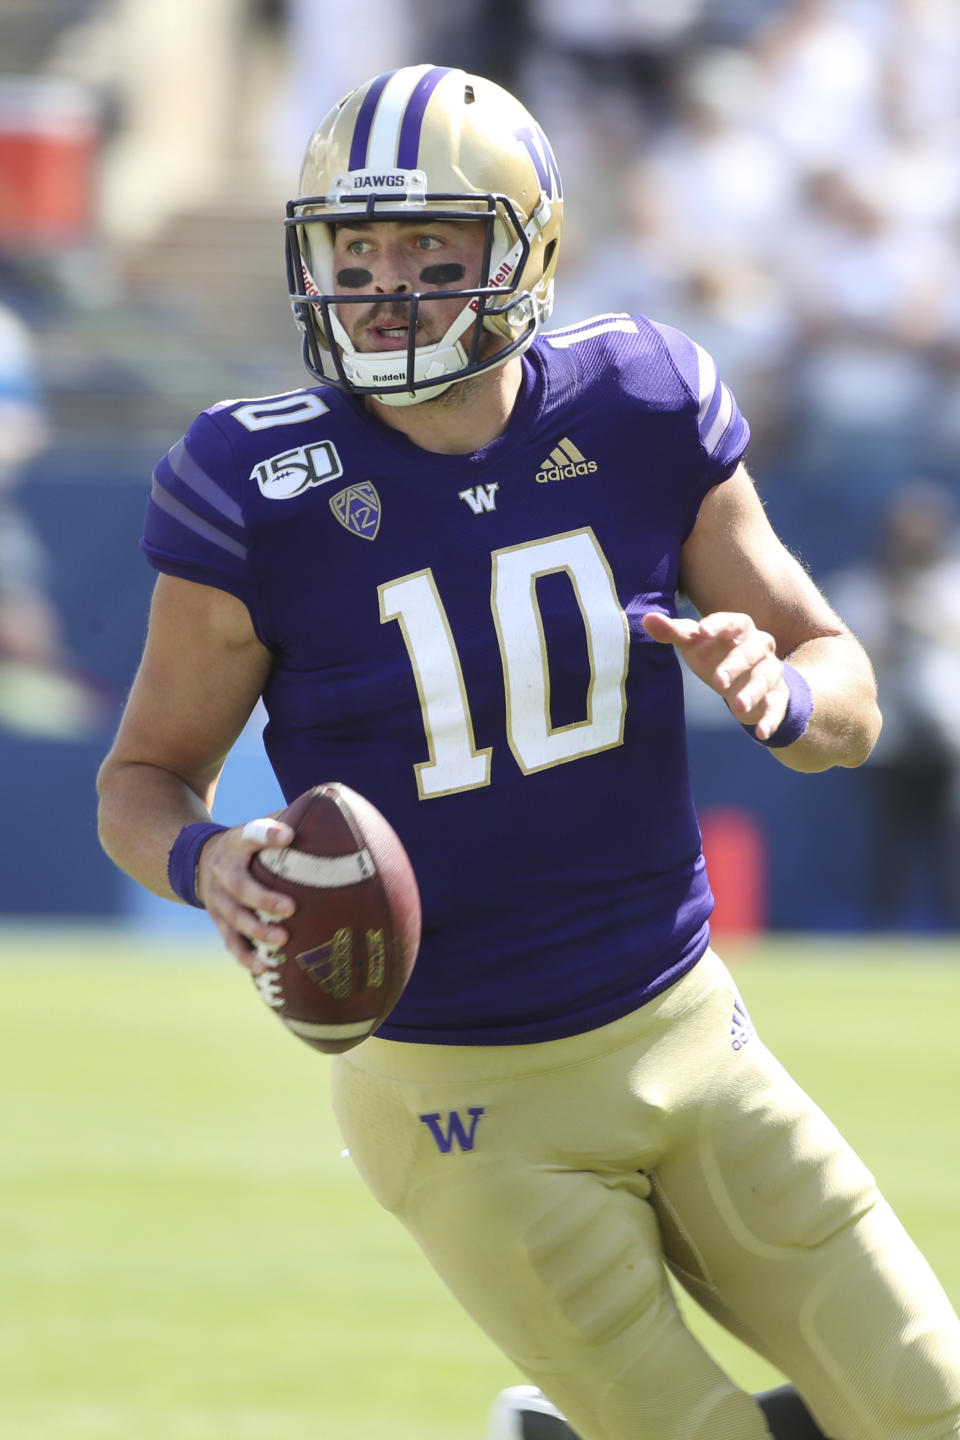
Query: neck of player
point(465, 418)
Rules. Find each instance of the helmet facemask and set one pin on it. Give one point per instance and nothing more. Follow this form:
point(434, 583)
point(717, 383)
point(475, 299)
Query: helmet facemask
point(495, 306)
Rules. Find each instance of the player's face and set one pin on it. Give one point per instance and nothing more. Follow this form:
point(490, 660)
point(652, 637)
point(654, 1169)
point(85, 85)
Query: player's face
point(393, 258)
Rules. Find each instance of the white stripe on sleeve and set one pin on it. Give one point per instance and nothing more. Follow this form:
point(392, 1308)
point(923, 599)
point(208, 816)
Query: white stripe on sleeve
point(720, 422)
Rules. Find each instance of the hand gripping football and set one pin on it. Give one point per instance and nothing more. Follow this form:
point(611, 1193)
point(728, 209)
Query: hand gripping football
point(356, 929)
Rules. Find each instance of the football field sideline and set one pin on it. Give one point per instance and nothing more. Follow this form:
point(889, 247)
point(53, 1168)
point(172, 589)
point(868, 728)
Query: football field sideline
point(186, 1254)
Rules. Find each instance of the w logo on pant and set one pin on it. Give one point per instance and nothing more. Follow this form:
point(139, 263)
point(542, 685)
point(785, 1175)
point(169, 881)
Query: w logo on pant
point(456, 1132)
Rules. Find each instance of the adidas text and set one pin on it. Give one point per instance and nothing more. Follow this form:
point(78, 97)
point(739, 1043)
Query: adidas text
point(566, 472)
point(564, 462)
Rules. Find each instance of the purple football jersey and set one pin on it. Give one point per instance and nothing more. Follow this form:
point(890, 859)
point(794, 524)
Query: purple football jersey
point(458, 638)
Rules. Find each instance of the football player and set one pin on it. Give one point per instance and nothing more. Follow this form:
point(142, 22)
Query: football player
point(449, 568)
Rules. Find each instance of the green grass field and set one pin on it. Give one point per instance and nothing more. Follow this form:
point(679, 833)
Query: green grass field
point(186, 1256)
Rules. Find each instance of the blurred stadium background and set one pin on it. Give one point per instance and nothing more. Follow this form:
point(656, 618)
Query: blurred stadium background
point(781, 178)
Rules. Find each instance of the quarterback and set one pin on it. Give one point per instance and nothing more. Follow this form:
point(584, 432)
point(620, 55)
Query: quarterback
point(449, 567)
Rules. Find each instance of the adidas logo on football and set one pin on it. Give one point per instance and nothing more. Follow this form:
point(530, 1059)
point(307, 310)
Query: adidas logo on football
point(564, 463)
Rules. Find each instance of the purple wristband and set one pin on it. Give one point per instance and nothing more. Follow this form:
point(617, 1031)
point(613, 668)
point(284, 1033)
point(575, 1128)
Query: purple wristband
point(797, 717)
point(184, 854)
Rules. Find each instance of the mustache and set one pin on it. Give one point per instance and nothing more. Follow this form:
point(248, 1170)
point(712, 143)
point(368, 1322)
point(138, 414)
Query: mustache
point(384, 312)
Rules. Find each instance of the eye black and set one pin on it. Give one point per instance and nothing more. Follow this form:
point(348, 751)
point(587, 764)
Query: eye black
point(442, 274)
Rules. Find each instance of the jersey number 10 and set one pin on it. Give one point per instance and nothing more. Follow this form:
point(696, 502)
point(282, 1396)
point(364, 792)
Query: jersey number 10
point(454, 762)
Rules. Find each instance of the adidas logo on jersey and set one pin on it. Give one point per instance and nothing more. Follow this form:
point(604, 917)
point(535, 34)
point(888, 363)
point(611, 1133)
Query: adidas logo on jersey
point(564, 463)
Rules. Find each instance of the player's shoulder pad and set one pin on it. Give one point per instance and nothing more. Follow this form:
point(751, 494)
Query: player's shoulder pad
point(722, 430)
point(220, 452)
point(209, 488)
point(621, 353)
point(261, 413)
point(281, 443)
point(644, 360)
point(638, 347)
point(603, 334)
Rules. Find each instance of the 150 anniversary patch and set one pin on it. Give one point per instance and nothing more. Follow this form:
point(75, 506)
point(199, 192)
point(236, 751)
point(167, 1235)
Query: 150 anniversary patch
point(283, 476)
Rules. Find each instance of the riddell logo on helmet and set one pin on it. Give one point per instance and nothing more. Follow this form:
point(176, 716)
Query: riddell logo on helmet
point(565, 463)
point(495, 281)
point(389, 377)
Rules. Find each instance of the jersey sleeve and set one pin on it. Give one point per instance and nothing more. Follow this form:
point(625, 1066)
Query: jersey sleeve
point(194, 525)
point(723, 432)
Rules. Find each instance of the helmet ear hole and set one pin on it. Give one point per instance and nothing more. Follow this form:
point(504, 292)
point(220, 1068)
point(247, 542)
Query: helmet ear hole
point(548, 254)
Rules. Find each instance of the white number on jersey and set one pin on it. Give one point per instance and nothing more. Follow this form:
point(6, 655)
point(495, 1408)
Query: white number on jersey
point(272, 411)
point(454, 762)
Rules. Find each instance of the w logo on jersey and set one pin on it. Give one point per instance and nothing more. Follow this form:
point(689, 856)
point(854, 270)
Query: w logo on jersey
point(480, 497)
point(456, 1132)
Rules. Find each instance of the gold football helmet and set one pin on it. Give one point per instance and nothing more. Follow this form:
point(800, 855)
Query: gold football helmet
point(426, 139)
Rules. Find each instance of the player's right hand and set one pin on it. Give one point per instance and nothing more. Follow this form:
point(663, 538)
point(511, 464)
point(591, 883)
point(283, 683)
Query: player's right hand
point(244, 911)
point(729, 653)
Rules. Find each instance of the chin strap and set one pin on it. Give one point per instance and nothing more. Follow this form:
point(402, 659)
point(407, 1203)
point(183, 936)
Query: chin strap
point(431, 362)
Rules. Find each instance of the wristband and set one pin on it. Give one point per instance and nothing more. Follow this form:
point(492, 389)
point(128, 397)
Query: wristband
point(797, 717)
point(183, 858)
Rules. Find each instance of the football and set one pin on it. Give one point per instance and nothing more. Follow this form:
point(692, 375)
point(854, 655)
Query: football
point(355, 932)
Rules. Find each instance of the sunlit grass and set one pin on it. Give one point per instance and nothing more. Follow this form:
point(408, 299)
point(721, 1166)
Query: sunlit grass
point(186, 1256)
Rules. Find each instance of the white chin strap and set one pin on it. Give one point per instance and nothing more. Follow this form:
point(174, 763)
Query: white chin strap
point(431, 362)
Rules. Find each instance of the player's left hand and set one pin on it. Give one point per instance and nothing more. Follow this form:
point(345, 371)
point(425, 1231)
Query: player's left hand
point(727, 652)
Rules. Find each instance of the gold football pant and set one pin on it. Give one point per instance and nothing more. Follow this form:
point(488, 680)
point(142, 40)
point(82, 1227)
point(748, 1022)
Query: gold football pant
point(552, 1185)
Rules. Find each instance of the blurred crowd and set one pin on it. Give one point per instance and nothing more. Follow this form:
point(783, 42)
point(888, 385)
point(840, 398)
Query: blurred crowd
point(782, 179)
point(779, 178)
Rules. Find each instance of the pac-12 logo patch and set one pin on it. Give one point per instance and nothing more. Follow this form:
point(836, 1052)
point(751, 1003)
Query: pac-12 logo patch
point(358, 509)
point(283, 476)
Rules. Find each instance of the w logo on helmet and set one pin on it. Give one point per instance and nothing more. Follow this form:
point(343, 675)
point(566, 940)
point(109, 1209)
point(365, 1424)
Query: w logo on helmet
point(537, 146)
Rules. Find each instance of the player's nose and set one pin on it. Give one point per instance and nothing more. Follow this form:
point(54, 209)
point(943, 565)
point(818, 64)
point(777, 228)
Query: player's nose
point(388, 281)
point(394, 272)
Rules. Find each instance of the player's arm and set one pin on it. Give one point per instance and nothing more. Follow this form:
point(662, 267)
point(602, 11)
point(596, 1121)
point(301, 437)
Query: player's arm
point(202, 672)
point(759, 608)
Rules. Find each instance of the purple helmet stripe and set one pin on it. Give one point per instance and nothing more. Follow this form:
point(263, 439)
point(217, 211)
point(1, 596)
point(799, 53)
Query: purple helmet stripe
point(409, 145)
point(361, 134)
